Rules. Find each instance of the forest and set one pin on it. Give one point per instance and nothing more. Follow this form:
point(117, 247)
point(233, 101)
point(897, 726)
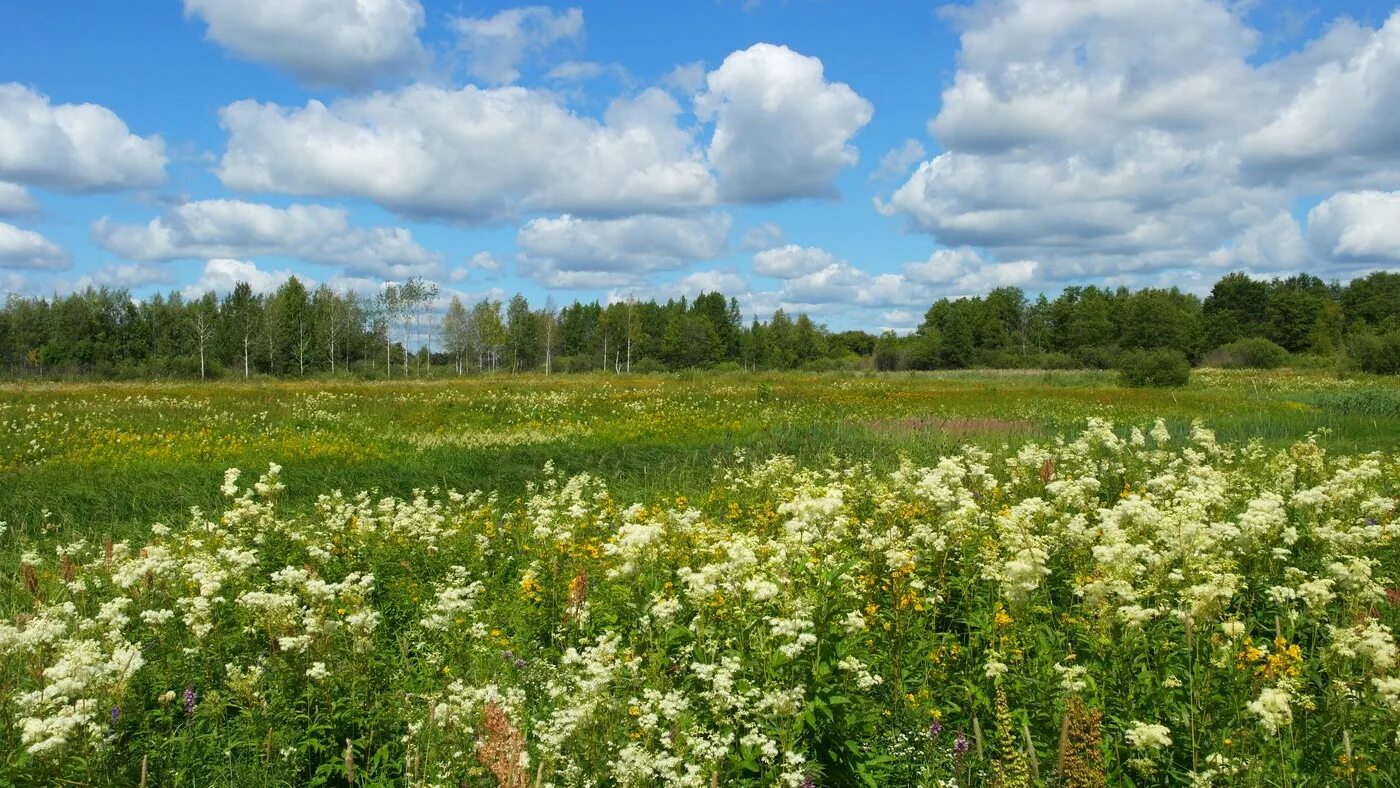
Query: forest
point(407, 329)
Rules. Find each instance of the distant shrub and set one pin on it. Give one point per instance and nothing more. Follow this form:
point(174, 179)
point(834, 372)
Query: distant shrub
point(1154, 369)
point(1378, 354)
point(1059, 361)
point(647, 365)
point(1314, 361)
point(1251, 353)
point(723, 366)
point(1096, 357)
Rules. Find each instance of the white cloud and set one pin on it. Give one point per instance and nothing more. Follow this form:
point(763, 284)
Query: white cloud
point(72, 147)
point(764, 236)
point(233, 228)
point(485, 261)
point(792, 261)
point(543, 272)
point(469, 154)
point(220, 276)
point(730, 283)
point(26, 249)
point(1345, 119)
point(686, 79)
point(815, 280)
point(897, 161)
point(126, 275)
point(15, 200)
point(962, 271)
point(781, 130)
point(319, 41)
point(1358, 227)
point(1268, 244)
point(584, 70)
point(1129, 138)
point(497, 45)
point(618, 250)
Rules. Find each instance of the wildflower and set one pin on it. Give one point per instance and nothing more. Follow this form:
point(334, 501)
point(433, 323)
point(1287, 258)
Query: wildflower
point(961, 745)
point(1149, 736)
point(190, 698)
point(1273, 707)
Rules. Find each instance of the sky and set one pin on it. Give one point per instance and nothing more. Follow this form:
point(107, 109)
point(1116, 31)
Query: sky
point(855, 161)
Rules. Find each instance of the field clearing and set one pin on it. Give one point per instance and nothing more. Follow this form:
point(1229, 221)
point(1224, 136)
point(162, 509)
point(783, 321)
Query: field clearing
point(978, 578)
point(131, 454)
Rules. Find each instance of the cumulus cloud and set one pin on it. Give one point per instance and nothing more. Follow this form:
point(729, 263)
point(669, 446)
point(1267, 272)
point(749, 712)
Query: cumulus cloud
point(897, 161)
point(962, 271)
point(816, 280)
point(471, 154)
point(692, 284)
point(1345, 120)
point(1129, 138)
point(584, 70)
point(792, 261)
point(26, 249)
point(233, 228)
point(1358, 227)
point(72, 147)
point(687, 78)
point(1268, 244)
point(782, 130)
point(497, 45)
point(319, 41)
point(221, 275)
point(126, 275)
point(614, 251)
point(15, 200)
point(764, 236)
point(484, 260)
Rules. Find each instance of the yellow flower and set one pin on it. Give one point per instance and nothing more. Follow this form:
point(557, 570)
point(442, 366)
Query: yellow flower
point(1002, 618)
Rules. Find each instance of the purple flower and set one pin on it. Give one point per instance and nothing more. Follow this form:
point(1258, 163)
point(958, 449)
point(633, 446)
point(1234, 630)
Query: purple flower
point(116, 715)
point(808, 782)
point(520, 663)
point(961, 745)
point(935, 728)
point(190, 699)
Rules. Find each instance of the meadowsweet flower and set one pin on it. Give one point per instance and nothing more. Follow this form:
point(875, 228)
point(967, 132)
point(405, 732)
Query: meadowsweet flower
point(1148, 736)
point(1273, 707)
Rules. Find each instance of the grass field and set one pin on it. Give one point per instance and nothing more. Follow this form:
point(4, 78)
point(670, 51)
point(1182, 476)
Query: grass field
point(933, 579)
point(114, 456)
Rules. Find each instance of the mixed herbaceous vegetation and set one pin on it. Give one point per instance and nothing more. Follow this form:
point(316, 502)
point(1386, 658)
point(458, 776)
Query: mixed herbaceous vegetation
point(966, 578)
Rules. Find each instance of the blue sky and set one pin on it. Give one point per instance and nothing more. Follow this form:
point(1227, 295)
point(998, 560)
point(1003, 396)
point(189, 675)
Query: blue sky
point(853, 160)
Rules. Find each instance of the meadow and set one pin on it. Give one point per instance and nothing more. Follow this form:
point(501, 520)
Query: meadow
point(976, 578)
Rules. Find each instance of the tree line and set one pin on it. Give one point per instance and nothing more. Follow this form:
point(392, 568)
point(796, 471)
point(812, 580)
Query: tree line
point(1093, 326)
point(405, 330)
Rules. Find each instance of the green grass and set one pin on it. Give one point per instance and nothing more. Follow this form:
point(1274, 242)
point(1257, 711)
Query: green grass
point(907, 553)
point(112, 457)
